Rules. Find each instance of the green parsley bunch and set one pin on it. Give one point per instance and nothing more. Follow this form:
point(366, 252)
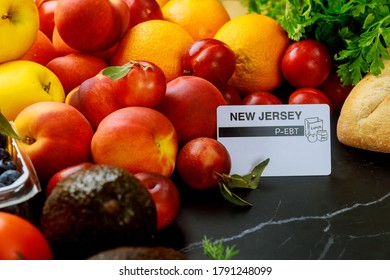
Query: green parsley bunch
point(356, 32)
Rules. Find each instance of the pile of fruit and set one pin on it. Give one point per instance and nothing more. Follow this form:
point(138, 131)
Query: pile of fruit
point(134, 85)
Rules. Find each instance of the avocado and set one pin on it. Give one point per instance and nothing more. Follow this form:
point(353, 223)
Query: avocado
point(95, 209)
point(139, 253)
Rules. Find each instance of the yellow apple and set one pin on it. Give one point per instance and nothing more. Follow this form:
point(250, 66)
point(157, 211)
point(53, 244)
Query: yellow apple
point(19, 25)
point(25, 82)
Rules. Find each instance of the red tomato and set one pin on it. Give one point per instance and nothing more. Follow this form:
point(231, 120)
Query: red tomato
point(261, 98)
point(143, 10)
point(165, 196)
point(210, 59)
point(335, 90)
point(306, 63)
point(19, 239)
point(309, 96)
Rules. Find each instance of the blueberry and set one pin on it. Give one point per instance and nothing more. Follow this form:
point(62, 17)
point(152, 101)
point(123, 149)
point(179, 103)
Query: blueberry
point(3, 140)
point(9, 176)
point(7, 163)
point(2, 185)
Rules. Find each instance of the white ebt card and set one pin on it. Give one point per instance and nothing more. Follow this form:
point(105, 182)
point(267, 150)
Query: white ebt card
point(296, 138)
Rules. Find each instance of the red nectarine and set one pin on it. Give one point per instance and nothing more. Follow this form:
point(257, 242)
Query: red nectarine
point(91, 25)
point(200, 159)
point(42, 51)
point(191, 103)
point(83, 65)
point(165, 195)
point(138, 139)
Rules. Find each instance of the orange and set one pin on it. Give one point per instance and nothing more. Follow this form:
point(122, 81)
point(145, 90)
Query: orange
point(158, 41)
point(201, 18)
point(259, 43)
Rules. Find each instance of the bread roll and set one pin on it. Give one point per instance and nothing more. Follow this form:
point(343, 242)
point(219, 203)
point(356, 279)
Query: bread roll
point(364, 120)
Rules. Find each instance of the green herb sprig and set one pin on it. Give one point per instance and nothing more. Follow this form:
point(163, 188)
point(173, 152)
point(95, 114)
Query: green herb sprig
point(215, 250)
point(357, 33)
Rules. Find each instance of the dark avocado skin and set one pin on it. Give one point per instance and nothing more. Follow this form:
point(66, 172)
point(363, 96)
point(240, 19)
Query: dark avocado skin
point(96, 209)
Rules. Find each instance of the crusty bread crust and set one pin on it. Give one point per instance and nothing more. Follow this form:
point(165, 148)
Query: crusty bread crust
point(364, 120)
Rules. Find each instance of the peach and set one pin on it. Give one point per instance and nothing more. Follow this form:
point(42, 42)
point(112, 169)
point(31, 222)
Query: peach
point(141, 83)
point(83, 65)
point(94, 99)
point(138, 139)
point(46, 11)
point(42, 51)
point(59, 45)
point(91, 25)
point(191, 103)
point(54, 135)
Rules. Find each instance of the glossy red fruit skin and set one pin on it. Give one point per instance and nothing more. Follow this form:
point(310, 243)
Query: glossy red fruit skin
point(261, 98)
point(200, 160)
point(210, 59)
point(143, 10)
point(309, 96)
point(46, 11)
point(165, 196)
point(306, 63)
point(230, 94)
point(191, 103)
point(22, 240)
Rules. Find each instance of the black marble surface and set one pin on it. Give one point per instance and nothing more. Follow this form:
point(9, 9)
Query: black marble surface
point(345, 215)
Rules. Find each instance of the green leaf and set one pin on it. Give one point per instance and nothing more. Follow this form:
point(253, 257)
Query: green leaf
point(6, 128)
point(217, 251)
point(118, 72)
point(247, 181)
point(231, 197)
point(386, 35)
point(253, 178)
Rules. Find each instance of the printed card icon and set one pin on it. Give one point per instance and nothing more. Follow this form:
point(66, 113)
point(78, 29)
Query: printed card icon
point(314, 130)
